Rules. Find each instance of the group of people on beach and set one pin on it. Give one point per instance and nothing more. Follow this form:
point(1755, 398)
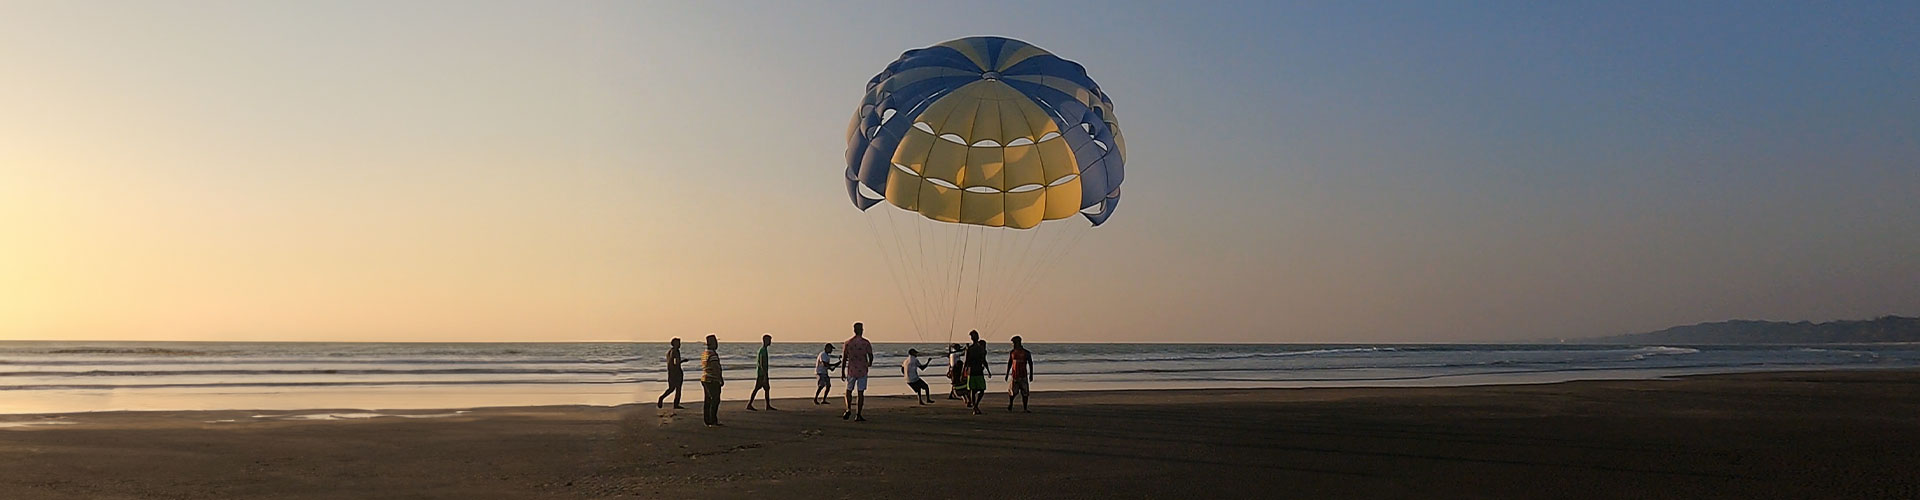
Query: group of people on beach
point(967, 371)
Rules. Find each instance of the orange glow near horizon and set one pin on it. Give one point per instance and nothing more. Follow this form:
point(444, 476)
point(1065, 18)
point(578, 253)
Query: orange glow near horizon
point(472, 171)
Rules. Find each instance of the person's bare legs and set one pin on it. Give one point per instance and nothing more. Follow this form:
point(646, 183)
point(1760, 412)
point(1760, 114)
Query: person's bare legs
point(756, 393)
point(849, 413)
point(860, 415)
point(769, 395)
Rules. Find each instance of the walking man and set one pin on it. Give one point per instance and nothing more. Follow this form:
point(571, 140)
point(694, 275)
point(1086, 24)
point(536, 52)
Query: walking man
point(977, 371)
point(674, 377)
point(857, 357)
point(1020, 370)
point(760, 380)
point(710, 379)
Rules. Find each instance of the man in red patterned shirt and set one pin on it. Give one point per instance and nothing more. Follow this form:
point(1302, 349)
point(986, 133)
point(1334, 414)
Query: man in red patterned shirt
point(855, 358)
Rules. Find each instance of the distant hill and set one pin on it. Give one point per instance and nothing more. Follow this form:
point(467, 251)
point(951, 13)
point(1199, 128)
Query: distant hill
point(1881, 329)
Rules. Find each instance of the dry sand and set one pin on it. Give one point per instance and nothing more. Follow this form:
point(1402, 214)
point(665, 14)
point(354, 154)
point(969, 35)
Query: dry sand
point(1849, 434)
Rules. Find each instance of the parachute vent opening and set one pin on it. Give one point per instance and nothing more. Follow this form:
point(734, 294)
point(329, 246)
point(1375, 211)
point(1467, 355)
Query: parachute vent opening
point(1063, 179)
point(1103, 146)
point(1025, 188)
point(868, 193)
point(1087, 127)
point(982, 190)
point(888, 114)
point(923, 126)
point(1095, 209)
point(953, 138)
point(940, 182)
point(1050, 136)
point(986, 143)
point(904, 168)
point(1019, 141)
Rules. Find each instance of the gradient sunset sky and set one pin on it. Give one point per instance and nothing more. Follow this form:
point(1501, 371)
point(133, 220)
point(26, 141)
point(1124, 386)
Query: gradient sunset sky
point(1325, 172)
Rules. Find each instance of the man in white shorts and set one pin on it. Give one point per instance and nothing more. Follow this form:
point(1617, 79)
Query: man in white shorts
point(822, 367)
point(856, 357)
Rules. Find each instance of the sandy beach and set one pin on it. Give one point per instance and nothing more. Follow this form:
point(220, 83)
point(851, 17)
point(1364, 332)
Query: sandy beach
point(1850, 434)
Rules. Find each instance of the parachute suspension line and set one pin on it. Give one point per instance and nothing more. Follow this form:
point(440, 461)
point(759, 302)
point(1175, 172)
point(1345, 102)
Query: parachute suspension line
point(909, 277)
point(979, 273)
point(937, 272)
point(1053, 258)
point(943, 242)
point(898, 289)
point(1060, 252)
point(925, 274)
point(913, 268)
point(1009, 265)
point(963, 235)
point(966, 235)
point(1029, 258)
point(1032, 261)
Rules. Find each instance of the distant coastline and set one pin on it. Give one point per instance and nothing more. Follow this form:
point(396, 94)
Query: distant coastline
point(1884, 329)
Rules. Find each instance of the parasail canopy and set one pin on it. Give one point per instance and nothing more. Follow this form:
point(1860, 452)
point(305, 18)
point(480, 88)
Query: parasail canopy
point(986, 131)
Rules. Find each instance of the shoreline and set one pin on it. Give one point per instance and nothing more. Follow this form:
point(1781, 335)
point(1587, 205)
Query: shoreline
point(735, 389)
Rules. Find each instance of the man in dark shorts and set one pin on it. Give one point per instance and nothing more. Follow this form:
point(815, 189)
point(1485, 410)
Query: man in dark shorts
point(711, 381)
point(674, 377)
point(957, 374)
point(911, 369)
point(977, 371)
point(760, 380)
point(1020, 371)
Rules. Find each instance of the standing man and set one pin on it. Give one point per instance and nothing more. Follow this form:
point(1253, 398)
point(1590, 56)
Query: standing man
point(710, 379)
point(822, 369)
point(957, 374)
point(674, 377)
point(1020, 369)
point(857, 357)
point(912, 368)
point(760, 381)
point(977, 371)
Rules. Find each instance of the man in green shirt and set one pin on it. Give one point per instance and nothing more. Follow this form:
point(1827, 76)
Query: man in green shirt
point(760, 380)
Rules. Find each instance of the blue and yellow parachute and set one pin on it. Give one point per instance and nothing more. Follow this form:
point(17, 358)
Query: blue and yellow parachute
point(986, 131)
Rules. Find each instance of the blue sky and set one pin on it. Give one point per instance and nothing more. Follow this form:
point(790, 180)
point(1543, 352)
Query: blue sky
point(1326, 172)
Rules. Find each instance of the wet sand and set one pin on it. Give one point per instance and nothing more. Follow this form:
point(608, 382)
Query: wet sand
point(1852, 434)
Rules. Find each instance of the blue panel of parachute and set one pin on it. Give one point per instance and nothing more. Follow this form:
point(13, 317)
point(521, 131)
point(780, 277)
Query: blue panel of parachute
point(921, 76)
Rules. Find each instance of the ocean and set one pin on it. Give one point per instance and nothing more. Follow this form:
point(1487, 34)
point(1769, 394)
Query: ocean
point(60, 377)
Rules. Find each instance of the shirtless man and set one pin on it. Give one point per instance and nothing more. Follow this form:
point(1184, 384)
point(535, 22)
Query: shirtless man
point(1020, 371)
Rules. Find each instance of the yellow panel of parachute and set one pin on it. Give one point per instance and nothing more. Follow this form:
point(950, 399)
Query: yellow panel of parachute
point(986, 155)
